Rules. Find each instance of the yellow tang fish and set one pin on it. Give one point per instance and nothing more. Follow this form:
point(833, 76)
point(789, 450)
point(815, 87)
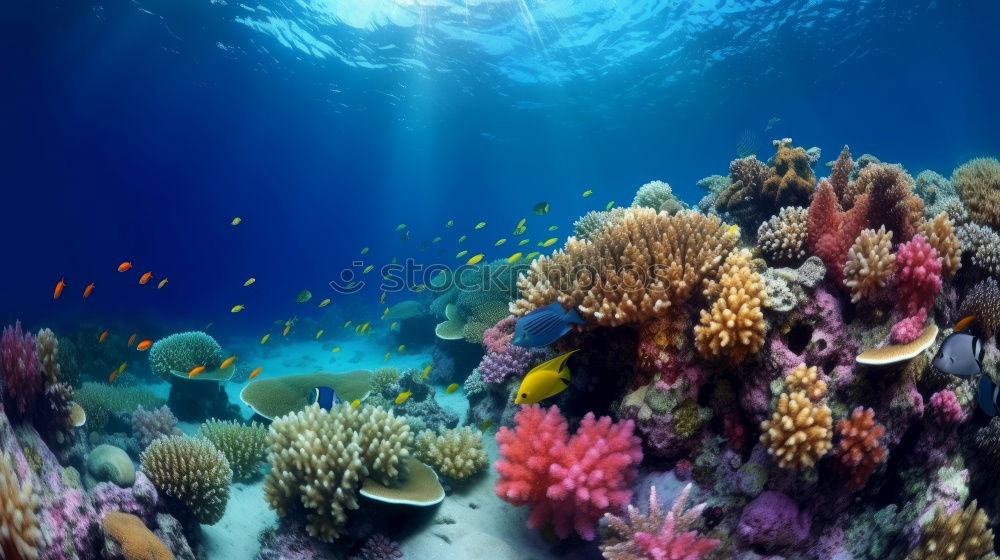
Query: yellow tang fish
point(355, 403)
point(364, 251)
point(553, 228)
point(335, 349)
point(162, 283)
point(368, 268)
point(386, 357)
point(475, 258)
point(285, 332)
point(236, 221)
point(461, 254)
point(610, 205)
point(400, 227)
point(227, 362)
point(513, 258)
point(401, 348)
point(265, 338)
point(427, 371)
point(531, 255)
point(500, 242)
point(544, 380)
point(548, 242)
point(519, 230)
point(238, 308)
point(450, 223)
point(524, 241)
point(401, 398)
point(319, 333)
point(347, 324)
point(451, 388)
point(324, 303)
point(480, 225)
point(365, 326)
point(436, 239)
point(587, 193)
point(249, 281)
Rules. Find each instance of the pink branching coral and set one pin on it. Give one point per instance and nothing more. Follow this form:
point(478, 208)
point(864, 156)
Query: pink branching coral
point(860, 450)
point(497, 337)
point(569, 481)
point(22, 372)
point(655, 535)
point(918, 282)
point(832, 231)
point(945, 408)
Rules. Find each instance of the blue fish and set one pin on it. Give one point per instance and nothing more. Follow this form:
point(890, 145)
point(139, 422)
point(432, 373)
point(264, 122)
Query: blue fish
point(545, 325)
point(988, 392)
point(961, 355)
point(325, 396)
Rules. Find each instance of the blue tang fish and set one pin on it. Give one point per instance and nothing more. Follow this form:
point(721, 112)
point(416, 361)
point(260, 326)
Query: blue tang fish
point(544, 325)
point(325, 396)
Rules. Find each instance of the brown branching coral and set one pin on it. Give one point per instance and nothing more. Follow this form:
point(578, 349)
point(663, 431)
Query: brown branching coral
point(860, 449)
point(632, 270)
point(961, 535)
point(741, 197)
point(983, 301)
point(20, 536)
point(870, 264)
point(734, 326)
point(800, 431)
point(782, 238)
point(940, 233)
point(791, 181)
point(891, 203)
point(840, 177)
point(978, 183)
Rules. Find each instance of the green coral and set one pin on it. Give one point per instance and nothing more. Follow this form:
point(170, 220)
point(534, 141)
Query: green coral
point(191, 471)
point(383, 377)
point(183, 352)
point(32, 457)
point(688, 418)
point(244, 445)
point(99, 400)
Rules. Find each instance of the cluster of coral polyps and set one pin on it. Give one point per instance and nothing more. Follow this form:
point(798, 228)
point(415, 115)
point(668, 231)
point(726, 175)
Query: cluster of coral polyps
point(788, 376)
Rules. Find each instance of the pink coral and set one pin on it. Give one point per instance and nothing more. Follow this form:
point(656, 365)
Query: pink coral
point(670, 546)
point(569, 482)
point(945, 408)
point(22, 373)
point(497, 337)
point(502, 358)
point(832, 231)
point(918, 281)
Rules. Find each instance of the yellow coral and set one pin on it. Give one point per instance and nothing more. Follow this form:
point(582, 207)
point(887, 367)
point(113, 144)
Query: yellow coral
point(792, 180)
point(940, 233)
point(457, 454)
point(962, 535)
point(137, 541)
point(978, 183)
point(800, 431)
point(20, 536)
point(870, 263)
point(734, 326)
point(632, 270)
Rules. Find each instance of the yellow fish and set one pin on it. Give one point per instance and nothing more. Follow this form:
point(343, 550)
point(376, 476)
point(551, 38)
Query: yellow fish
point(513, 258)
point(369, 268)
point(522, 222)
point(451, 388)
point(461, 239)
point(544, 380)
point(392, 326)
point(475, 258)
point(500, 242)
point(401, 398)
point(324, 303)
point(609, 205)
point(162, 283)
point(227, 362)
point(122, 367)
point(531, 255)
point(195, 371)
point(335, 349)
point(436, 239)
point(419, 288)
point(461, 254)
point(364, 251)
point(400, 227)
point(285, 332)
point(236, 221)
point(401, 348)
point(385, 312)
point(541, 208)
point(427, 371)
point(587, 193)
point(480, 225)
point(450, 223)
point(319, 333)
point(553, 228)
point(524, 241)
point(347, 324)
point(386, 357)
point(249, 281)
point(355, 403)
point(265, 338)
point(238, 308)
point(548, 242)
point(365, 326)
point(381, 298)
point(519, 230)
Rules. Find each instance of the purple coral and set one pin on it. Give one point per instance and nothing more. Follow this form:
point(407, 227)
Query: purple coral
point(773, 521)
point(497, 337)
point(22, 373)
point(945, 408)
point(380, 547)
point(502, 358)
point(148, 425)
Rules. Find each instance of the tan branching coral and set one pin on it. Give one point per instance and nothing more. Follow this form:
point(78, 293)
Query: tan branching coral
point(20, 535)
point(870, 264)
point(193, 472)
point(791, 181)
point(734, 326)
point(807, 380)
point(978, 183)
point(243, 445)
point(891, 202)
point(48, 355)
point(782, 238)
point(632, 270)
point(320, 459)
point(961, 535)
point(800, 431)
point(457, 454)
point(940, 233)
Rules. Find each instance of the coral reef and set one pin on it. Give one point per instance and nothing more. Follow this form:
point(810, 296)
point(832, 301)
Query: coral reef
point(891, 203)
point(800, 431)
point(128, 537)
point(658, 196)
point(962, 534)
point(147, 425)
point(772, 520)
point(918, 281)
point(940, 233)
point(590, 223)
point(791, 180)
point(107, 463)
point(182, 351)
point(859, 450)
point(832, 230)
point(244, 445)
point(870, 264)
point(192, 472)
point(657, 534)
point(982, 245)
point(380, 547)
point(734, 326)
point(503, 359)
point(978, 183)
point(457, 454)
point(741, 197)
point(782, 238)
point(983, 301)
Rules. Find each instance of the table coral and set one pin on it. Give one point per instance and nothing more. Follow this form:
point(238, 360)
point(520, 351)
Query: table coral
point(860, 450)
point(657, 534)
point(569, 481)
point(734, 326)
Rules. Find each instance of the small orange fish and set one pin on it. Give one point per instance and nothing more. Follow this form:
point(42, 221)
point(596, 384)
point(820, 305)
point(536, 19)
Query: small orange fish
point(104, 336)
point(255, 372)
point(113, 375)
point(124, 266)
point(195, 371)
point(145, 277)
point(964, 322)
point(131, 339)
point(227, 362)
point(88, 290)
point(144, 345)
point(59, 288)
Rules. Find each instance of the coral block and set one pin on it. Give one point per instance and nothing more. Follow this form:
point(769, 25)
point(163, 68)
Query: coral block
point(569, 482)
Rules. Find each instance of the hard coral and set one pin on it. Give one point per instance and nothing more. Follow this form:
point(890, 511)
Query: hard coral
point(191, 471)
point(657, 535)
point(782, 238)
point(961, 535)
point(982, 244)
point(20, 535)
point(772, 520)
point(243, 445)
point(800, 431)
point(22, 372)
point(457, 454)
point(945, 408)
point(791, 181)
point(569, 481)
point(734, 326)
point(380, 547)
point(978, 183)
point(658, 196)
point(503, 359)
point(135, 540)
point(840, 177)
point(860, 450)
point(983, 301)
point(918, 283)
point(607, 278)
point(891, 203)
point(741, 196)
point(870, 264)
point(940, 233)
point(833, 231)
point(182, 351)
point(147, 425)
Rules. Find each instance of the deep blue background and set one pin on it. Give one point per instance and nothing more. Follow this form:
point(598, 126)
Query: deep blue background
point(129, 133)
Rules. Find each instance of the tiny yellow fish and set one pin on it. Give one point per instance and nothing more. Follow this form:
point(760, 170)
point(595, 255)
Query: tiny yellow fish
point(548, 242)
point(461, 254)
point(401, 398)
point(386, 357)
point(514, 257)
point(122, 367)
point(381, 298)
point(419, 288)
point(451, 388)
point(461, 239)
point(227, 362)
point(249, 281)
point(265, 338)
point(335, 349)
point(347, 324)
point(587, 193)
point(236, 221)
point(324, 303)
point(436, 239)
point(285, 332)
point(500, 242)
point(319, 333)
point(368, 268)
point(385, 312)
point(522, 222)
point(238, 308)
point(355, 403)
point(195, 371)
point(450, 223)
point(364, 251)
point(553, 228)
point(256, 371)
point(524, 241)
point(162, 283)
point(544, 380)
point(609, 205)
point(480, 225)
point(365, 326)
point(475, 258)
point(541, 208)
point(392, 326)
point(531, 255)
point(400, 227)
point(401, 348)
point(486, 424)
point(427, 371)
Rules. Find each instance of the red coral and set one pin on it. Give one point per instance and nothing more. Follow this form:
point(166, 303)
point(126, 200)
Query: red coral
point(918, 281)
point(569, 482)
point(860, 450)
point(831, 231)
point(734, 430)
point(671, 545)
point(21, 371)
point(945, 408)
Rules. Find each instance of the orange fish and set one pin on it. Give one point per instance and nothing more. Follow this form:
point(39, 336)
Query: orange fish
point(113, 375)
point(195, 371)
point(88, 290)
point(131, 339)
point(124, 266)
point(144, 345)
point(964, 322)
point(145, 277)
point(255, 372)
point(103, 336)
point(59, 288)
point(227, 362)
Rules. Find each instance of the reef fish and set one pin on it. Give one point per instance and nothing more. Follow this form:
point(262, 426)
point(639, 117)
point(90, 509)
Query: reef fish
point(227, 362)
point(325, 397)
point(144, 345)
point(264, 339)
point(88, 290)
point(256, 371)
point(475, 259)
point(544, 380)
point(480, 225)
point(324, 303)
point(238, 308)
point(548, 242)
point(195, 371)
point(587, 193)
point(541, 208)
point(513, 257)
point(60, 285)
point(124, 266)
point(249, 281)
point(988, 392)
point(961, 355)
point(402, 397)
point(236, 221)
point(131, 340)
point(451, 388)
point(545, 325)
point(104, 336)
point(145, 278)
point(162, 283)
point(304, 296)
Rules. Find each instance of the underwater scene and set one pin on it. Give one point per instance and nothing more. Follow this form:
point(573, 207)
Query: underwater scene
point(500, 280)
